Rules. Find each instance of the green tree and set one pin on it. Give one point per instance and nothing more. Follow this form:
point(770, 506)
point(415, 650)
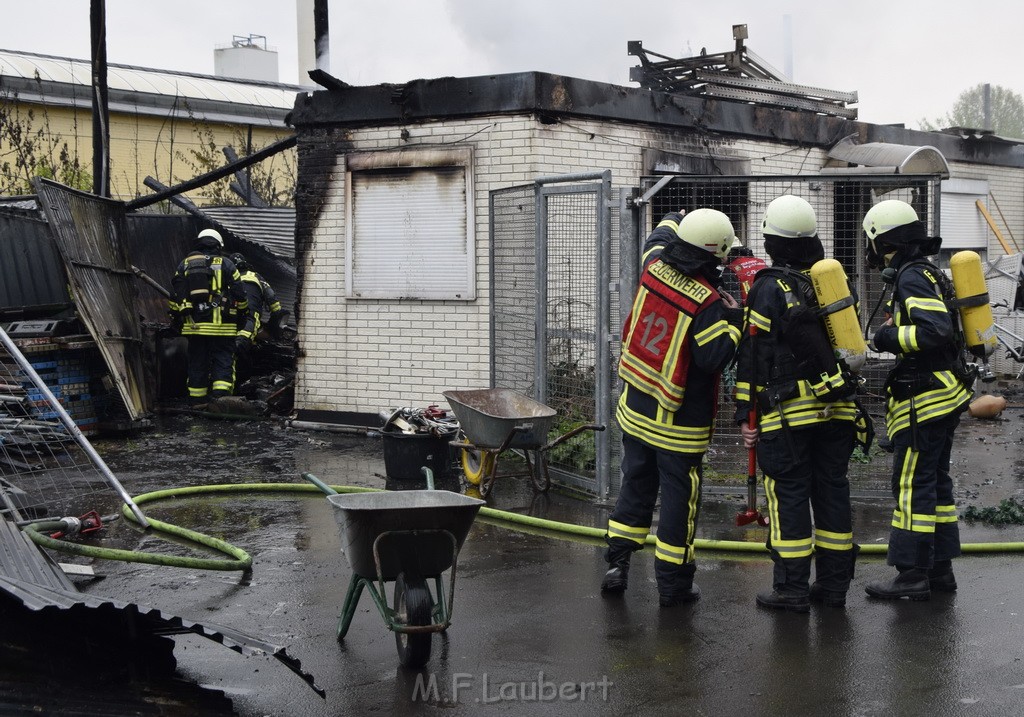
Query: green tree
point(1007, 112)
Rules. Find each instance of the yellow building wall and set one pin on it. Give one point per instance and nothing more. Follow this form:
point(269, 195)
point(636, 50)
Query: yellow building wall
point(169, 149)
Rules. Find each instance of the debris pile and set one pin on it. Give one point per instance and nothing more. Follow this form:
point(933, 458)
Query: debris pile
point(430, 420)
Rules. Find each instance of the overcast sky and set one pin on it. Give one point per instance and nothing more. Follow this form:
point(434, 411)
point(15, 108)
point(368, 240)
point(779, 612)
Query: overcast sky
point(907, 59)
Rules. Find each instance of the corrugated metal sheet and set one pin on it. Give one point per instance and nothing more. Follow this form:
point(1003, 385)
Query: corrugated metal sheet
point(266, 236)
point(90, 233)
point(158, 622)
point(22, 561)
point(273, 228)
point(31, 273)
point(29, 575)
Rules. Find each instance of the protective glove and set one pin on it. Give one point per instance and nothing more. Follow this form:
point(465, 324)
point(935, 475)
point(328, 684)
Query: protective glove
point(242, 345)
point(885, 339)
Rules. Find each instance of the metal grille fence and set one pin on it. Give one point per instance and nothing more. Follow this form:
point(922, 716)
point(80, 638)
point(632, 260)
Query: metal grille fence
point(840, 203)
point(48, 469)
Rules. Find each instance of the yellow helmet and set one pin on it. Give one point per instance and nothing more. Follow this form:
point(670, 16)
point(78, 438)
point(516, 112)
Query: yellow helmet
point(888, 215)
point(790, 217)
point(708, 229)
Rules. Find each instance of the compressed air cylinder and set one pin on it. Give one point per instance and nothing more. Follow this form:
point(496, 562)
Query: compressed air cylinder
point(972, 295)
point(833, 293)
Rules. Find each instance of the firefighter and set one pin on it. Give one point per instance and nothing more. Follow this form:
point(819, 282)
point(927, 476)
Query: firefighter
point(680, 334)
point(805, 429)
point(261, 301)
point(926, 391)
point(205, 292)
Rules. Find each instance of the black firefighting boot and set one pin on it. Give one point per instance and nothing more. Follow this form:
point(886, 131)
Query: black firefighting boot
point(789, 585)
point(940, 577)
point(617, 578)
point(910, 582)
point(833, 571)
point(675, 583)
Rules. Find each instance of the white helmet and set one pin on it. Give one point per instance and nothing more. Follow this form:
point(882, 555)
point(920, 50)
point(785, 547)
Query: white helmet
point(888, 215)
point(213, 234)
point(708, 229)
point(790, 217)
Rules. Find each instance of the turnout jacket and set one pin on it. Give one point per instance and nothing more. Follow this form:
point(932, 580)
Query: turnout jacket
point(207, 296)
point(928, 381)
point(675, 344)
point(767, 360)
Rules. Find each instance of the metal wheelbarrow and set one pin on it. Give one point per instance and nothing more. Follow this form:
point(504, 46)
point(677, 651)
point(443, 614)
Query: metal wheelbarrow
point(495, 420)
point(408, 537)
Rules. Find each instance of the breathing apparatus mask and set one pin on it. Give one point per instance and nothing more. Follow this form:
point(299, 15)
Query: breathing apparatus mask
point(907, 242)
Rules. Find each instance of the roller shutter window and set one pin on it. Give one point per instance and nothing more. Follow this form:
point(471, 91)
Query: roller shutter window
point(410, 226)
point(962, 224)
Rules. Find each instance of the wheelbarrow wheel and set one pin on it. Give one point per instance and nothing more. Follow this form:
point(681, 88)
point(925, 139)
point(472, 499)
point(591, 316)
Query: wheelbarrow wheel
point(538, 466)
point(476, 465)
point(413, 606)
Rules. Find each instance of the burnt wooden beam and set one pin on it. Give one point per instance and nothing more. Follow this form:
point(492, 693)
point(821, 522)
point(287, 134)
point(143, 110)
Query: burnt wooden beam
point(203, 179)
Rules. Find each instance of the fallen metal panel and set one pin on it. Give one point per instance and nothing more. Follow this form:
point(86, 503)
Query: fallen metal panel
point(156, 621)
point(90, 232)
point(31, 274)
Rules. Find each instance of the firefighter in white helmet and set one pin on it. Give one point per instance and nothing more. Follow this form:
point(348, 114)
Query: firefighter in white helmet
point(680, 334)
point(927, 390)
point(206, 291)
point(806, 427)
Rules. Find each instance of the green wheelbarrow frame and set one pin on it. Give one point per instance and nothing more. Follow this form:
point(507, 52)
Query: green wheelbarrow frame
point(441, 613)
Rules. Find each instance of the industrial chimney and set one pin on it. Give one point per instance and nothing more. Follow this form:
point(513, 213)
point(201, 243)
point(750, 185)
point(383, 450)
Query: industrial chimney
point(313, 38)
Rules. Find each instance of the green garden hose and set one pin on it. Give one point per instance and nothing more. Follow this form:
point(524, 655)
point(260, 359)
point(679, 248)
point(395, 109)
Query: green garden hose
point(242, 561)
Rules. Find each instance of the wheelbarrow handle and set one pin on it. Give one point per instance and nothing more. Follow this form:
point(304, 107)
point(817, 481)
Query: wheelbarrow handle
point(319, 484)
point(574, 432)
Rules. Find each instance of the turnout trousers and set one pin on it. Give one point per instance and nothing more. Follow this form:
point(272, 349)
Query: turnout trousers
point(645, 470)
point(808, 493)
point(924, 526)
point(211, 367)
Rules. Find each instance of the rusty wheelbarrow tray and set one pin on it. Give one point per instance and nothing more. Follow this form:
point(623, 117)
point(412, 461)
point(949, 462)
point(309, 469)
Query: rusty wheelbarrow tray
point(408, 537)
point(495, 420)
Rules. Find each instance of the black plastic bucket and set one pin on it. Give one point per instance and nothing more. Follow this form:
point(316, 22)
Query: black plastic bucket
point(406, 453)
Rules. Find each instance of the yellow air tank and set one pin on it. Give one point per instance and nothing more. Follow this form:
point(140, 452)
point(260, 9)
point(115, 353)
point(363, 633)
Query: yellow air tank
point(833, 293)
point(972, 297)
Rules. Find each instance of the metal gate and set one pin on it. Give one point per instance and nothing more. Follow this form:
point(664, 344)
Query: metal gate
point(554, 304)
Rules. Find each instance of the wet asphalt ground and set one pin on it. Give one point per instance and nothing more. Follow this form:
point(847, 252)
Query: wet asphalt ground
point(532, 633)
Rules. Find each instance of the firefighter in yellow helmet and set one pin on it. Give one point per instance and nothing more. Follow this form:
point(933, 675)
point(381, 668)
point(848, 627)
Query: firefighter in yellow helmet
point(805, 430)
point(927, 390)
point(205, 291)
point(679, 336)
